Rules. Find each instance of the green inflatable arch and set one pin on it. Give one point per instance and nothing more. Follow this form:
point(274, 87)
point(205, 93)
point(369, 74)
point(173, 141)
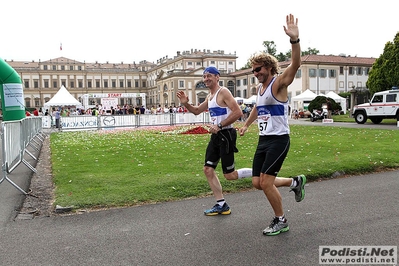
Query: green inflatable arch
point(12, 93)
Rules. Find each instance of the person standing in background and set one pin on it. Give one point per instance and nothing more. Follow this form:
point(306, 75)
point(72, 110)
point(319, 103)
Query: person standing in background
point(57, 117)
point(35, 112)
point(329, 108)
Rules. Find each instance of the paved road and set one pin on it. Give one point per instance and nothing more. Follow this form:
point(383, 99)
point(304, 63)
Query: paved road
point(342, 124)
point(358, 210)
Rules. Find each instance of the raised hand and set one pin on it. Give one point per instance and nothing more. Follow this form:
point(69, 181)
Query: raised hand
point(182, 97)
point(292, 27)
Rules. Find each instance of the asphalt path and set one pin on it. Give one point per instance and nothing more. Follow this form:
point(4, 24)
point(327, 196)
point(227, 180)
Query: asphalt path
point(343, 124)
point(358, 211)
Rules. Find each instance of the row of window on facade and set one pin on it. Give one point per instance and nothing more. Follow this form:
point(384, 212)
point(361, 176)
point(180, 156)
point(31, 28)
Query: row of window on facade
point(212, 62)
point(78, 67)
point(74, 67)
point(37, 103)
point(62, 67)
point(312, 73)
point(245, 93)
point(332, 73)
point(46, 84)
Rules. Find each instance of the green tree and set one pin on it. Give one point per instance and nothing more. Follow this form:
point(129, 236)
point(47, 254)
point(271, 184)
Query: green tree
point(310, 51)
point(270, 47)
point(283, 57)
point(288, 54)
point(385, 71)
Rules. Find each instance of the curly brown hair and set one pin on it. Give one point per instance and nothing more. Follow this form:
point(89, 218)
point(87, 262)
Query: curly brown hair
point(265, 59)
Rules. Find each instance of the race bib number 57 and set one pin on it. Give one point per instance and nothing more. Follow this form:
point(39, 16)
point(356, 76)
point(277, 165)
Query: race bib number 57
point(262, 122)
point(262, 126)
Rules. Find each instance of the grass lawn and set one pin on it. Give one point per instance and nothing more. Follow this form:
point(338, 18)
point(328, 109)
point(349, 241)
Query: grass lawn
point(96, 169)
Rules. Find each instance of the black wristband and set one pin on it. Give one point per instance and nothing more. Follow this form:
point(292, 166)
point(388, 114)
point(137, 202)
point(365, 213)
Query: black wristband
point(294, 42)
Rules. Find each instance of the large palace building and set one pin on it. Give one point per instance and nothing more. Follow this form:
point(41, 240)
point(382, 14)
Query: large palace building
point(160, 81)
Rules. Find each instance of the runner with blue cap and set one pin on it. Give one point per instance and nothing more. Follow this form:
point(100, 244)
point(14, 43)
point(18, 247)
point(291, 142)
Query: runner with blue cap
point(224, 111)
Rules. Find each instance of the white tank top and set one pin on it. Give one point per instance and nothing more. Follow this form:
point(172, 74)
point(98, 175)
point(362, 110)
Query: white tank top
point(217, 112)
point(272, 114)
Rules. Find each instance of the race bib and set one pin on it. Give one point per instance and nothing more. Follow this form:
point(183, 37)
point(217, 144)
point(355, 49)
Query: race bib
point(262, 123)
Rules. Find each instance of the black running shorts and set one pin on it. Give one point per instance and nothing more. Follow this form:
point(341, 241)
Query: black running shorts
point(270, 154)
point(222, 146)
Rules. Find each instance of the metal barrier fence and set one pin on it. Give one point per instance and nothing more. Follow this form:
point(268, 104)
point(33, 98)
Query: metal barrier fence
point(17, 137)
point(82, 122)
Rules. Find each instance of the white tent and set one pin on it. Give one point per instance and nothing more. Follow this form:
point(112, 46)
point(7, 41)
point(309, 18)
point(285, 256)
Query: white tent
point(338, 99)
point(239, 99)
point(305, 97)
point(250, 100)
point(63, 98)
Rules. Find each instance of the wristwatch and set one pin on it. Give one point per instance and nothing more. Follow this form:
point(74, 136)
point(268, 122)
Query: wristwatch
point(220, 125)
point(294, 42)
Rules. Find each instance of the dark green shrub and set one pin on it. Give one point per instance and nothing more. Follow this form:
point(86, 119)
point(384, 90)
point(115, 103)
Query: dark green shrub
point(317, 103)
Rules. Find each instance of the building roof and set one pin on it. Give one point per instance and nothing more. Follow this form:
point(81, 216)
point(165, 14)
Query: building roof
point(23, 64)
point(332, 60)
point(66, 61)
point(321, 59)
point(338, 59)
point(306, 59)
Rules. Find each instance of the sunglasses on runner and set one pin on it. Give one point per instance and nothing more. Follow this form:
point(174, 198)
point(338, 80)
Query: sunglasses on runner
point(256, 69)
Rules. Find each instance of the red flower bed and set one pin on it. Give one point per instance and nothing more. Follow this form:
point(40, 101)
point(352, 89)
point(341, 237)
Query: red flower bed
point(196, 130)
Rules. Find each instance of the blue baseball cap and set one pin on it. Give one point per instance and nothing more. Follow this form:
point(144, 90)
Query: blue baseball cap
point(212, 70)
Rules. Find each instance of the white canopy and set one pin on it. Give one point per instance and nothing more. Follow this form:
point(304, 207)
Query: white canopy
point(307, 95)
point(250, 100)
point(338, 99)
point(239, 99)
point(334, 96)
point(62, 98)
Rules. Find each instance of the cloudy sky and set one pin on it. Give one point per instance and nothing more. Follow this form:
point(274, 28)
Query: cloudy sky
point(136, 30)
